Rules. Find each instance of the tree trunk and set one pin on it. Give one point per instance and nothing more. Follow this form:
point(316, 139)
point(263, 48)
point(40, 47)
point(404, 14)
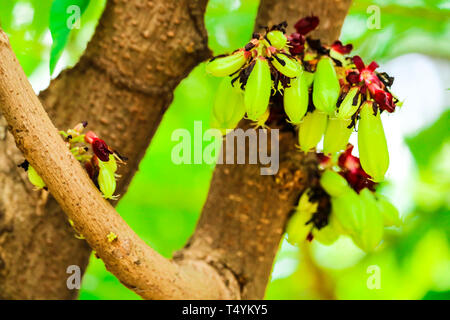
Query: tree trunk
point(122, 86)
point(245, 213)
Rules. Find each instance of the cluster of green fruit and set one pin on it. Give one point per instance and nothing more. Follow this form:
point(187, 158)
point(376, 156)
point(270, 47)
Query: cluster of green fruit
point(360, 216)
point(325, 94)
point(101, 165)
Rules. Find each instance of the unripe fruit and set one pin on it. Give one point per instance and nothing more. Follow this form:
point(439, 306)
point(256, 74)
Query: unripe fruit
point(34, 178)
point(334, 184)
point(287, 66)
point(311, 129)
point(296, 98)
point(228, 107)
point(373, 150)
point(112, 163)
point(258, 90)
point(326, 235)
point(297, 229)
point(371, 232)
point(277, 39)
point(326, 86)
point(106, 180)
point(391, 216)
point(222, 67)
point(337, 135)
point(349, 105)
point(347, 210)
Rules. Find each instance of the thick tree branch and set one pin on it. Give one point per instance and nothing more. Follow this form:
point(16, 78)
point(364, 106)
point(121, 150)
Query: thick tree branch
point(128, 257)
point(122, 86)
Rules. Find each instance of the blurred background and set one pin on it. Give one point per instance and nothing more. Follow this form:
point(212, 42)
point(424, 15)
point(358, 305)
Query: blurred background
point(410, 41)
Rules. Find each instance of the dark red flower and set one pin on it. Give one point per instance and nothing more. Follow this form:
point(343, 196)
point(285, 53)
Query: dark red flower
point(352, 171)
point(100, 148)
point(307, 24)
point(339, 47)
point(371, 80)
point(384, 100)
point(297, 42)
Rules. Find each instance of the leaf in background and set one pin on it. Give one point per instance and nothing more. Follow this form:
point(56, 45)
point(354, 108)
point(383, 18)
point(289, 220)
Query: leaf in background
point(429, 142)
point(412, 26)
point(62, 21)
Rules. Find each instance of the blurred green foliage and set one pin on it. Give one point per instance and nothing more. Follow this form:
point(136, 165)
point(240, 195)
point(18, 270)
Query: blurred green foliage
point(164, 200)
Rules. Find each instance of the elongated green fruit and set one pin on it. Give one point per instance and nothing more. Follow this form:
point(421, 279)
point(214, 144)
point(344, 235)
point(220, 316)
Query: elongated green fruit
point(34, 178)
point(228, 107)
point(312, 129)
point(222, 67)
point(106, 180)
point(257, 90)
point(349, 105)
point(277, 39)
point(112, 163)
point(297, 229)
point(347, 210)
point(287, 66)
point(373, 150)
point(326, 235)
point(326, 86)
point(333, 183)
point(336, 136)
point(296, 99)
point(371, 232)
point(391, 216)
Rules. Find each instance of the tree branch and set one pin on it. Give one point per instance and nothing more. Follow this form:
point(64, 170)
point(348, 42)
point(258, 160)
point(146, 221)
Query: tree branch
point(122, 85)
point(128, 257)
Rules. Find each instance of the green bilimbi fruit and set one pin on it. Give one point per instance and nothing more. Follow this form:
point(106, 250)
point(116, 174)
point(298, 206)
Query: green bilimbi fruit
point(336, 136)
point(106, 180)
point(312, 129)
point(326, 86)
point(328, 234)
point(35, 178)
point(258, 89)
point(296, 98)
point(349, 105)
point(334, 184)
point(112, 163)
point(297, 229)
point(222, 67)
point(228, 107)
point(373, 150)
point(277, 39)
point(371, 228)
point(391, 216)
point(287, 66)
point(347, 210)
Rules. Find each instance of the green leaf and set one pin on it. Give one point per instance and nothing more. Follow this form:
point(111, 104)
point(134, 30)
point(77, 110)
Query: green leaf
point(429, 142)
point(63, 18)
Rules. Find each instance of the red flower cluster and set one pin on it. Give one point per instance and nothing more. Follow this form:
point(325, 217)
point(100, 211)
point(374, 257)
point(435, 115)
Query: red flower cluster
point(367, 78)
point(303, 27)
point(351, 169)
point(100, 148)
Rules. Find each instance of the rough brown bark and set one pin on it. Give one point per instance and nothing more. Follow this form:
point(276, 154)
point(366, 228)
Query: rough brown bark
point(124, 82)
point(245, 213)
point(122, 86)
